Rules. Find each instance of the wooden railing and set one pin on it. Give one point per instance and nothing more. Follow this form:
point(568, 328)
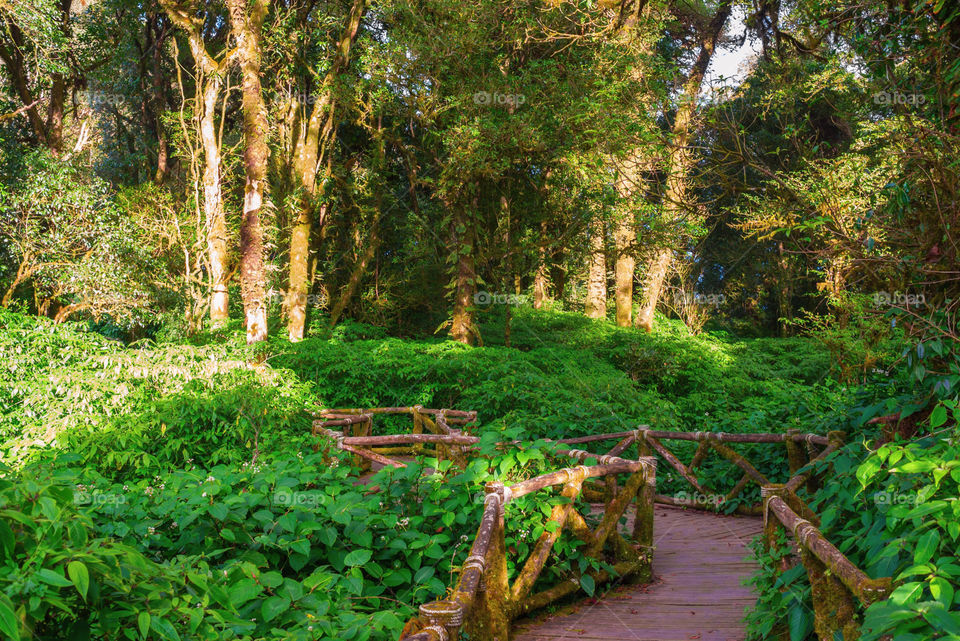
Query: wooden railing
point(650, 443)
point(439, 439)
point(483, 603)
point(834, 580)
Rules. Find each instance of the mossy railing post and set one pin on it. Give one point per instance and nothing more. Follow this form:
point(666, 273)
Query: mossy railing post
point(773, 530)
point(834, 580)
point(489, 619)
point(643, 520)
point(796, 457)
point(772, 527)
point(417, 426)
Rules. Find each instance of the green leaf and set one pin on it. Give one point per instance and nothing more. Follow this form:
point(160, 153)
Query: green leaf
point(588, 584)
point(939, 416)
point(274, 606)
point(53, 578)
point(143, 622)
point(906, 593)
point(942, 620)
point(6, 539)
point(218, 511)
point(78, 573)
point(942, 591)
point(242, 591)
point(800, 622)
point(8, 620)
point(926, 547)
point(164, 629)
point(358, 557)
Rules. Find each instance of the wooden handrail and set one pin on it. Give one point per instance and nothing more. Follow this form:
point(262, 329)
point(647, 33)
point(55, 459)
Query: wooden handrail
point(486, 613)
point(834, 579)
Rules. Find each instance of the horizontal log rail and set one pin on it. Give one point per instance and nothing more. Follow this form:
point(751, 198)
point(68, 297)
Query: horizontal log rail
point(483, 602)
point(723, 437)
point(651, 443)
point(455, 417)
point(430, 427)
point(834, 580)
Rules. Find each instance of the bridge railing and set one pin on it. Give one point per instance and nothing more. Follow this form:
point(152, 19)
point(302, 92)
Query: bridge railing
point(834, 580)
point(484, 602)
point(800, 450)
point(432, 434)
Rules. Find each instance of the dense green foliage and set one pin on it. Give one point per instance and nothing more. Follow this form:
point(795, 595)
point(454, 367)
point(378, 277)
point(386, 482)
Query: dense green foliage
point(219, 216)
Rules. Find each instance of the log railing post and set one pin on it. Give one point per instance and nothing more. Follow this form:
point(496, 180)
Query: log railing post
point(643, 519)
point(417, 427)
point(489, 618)
point(772, 527)
point(833, 606)
point(795, 455)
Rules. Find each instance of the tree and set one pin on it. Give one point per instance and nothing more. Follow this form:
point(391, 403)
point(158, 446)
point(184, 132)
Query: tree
point(680, 163)
point(313, 148)
point(209, 74)
point(246, 20)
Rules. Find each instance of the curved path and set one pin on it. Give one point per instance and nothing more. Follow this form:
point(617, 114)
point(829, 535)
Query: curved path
point(699, 563)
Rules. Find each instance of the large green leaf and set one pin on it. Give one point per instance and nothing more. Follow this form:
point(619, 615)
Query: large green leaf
point(80, 577)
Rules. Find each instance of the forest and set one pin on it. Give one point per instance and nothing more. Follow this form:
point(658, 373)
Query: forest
point(301, 302)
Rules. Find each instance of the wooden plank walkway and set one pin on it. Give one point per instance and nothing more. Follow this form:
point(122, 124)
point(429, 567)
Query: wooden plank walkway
point(699, 562)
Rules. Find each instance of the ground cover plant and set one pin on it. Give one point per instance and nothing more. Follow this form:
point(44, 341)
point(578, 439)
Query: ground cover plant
point(219, 218)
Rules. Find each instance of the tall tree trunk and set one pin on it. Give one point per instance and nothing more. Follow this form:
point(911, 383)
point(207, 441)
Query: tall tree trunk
point(558, 271)
point(462, 329)
point(541, 278)
point(315, 143)
point(246, 19)
point(653, 286)
point(157, 34)
point(680, 163)
point(209, 75)
point(596, 305)
point(213, 210)
point(624, 238)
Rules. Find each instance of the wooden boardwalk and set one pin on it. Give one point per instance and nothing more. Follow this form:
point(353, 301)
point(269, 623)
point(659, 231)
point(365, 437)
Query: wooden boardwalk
point(698, 565)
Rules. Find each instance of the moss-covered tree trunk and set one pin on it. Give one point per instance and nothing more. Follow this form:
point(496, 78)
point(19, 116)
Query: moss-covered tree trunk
point(312, 150)
point(246, 19)
point(596, 304)
point(623, 269)
point(462, 237)
point(679, 164)
point(209, 78)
